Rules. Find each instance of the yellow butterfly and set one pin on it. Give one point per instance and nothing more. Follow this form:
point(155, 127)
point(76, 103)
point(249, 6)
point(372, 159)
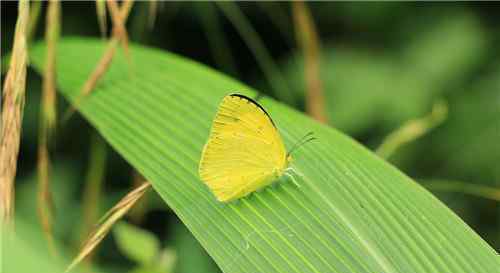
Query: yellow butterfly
point(244, 151)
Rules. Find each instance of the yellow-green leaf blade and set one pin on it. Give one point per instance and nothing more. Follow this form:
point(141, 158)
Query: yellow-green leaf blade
point(352, 213)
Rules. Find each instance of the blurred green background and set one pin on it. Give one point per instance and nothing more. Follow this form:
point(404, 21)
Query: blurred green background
point(382, 64)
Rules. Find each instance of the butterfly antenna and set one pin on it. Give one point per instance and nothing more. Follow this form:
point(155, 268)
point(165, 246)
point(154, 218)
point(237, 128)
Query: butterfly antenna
point(303, 140)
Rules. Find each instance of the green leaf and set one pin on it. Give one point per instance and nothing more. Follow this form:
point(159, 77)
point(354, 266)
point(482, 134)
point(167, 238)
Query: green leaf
point(137, 244)
point(353, 212)
point(146, 269)
point(168, 260)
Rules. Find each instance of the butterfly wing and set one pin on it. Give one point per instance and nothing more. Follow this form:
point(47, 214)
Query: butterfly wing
point(244, 151)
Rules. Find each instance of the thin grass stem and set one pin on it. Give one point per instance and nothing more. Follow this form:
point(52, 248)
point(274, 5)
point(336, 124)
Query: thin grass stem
point(413, 129)
point(258, 49)
point(308, 40)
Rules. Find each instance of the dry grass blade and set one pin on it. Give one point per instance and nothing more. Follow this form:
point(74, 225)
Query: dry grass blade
point(308, 40)
point(49, 80)
point(44, 200)
point(413, 129)
point(279, 17)
point(217, 41)
point(93, 185)
point(36, 7)
point(100, 7)
point(137, 212)
point(256, 45)
point(98, 72)
point(153, 11)
point(47, 122)
point(107, 221)
point(119, 16)
point(14, 95)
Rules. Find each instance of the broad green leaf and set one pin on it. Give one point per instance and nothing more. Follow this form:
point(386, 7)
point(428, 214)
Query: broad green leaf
point(137, 244)
point(352, 212)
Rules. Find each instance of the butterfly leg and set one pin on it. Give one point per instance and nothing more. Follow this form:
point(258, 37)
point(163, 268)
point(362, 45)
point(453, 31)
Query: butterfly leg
point(291, 177)
point(295, 171)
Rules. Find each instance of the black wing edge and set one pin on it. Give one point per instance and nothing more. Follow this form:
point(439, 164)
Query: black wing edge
point(255, 103)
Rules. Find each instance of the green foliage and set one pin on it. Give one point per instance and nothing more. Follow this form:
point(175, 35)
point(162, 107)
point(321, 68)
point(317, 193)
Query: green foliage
point(258, 49)
point(191, 257)
point(367, 88)
point(143, 247)
point(462, 188)
point(353, 212)
point(413, 129)
point(473, 151)
point(440, 64)
point(64, 182)
point(26, 251)
point(137, 244)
